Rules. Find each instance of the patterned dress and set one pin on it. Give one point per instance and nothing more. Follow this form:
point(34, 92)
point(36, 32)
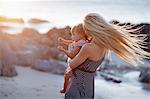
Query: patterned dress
point(82, 81)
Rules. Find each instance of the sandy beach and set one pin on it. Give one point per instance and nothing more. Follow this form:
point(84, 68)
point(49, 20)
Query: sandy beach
point(29, 30)
point(31, 84)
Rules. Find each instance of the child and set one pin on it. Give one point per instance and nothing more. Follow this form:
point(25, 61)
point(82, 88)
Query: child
point(78, 40)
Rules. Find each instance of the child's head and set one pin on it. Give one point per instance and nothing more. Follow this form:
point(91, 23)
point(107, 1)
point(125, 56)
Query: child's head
point(77, 33)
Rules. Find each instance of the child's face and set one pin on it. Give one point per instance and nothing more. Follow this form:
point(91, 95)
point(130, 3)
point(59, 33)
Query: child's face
point(75, 36)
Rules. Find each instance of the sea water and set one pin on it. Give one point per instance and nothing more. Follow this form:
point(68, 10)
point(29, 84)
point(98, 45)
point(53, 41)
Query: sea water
point(70, 12)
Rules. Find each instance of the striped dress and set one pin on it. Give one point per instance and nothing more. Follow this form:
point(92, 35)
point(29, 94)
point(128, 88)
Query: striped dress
point(82, 81)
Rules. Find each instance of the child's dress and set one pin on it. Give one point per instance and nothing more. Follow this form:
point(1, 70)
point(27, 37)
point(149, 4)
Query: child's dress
point(79, 43)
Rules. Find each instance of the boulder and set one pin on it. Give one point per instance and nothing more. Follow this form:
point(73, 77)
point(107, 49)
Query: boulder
point(54, 33)
point(0, 67)
point(29, 33)
point(53, 53)
point(37, 21)
point(25, 58)
point(53, 66)
point(16, 20)
point(110, 77)
point(8, 60)
point(145, 76)
point(62, 57)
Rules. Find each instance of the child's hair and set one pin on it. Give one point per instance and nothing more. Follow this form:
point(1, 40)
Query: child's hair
point(124, 41)
point(79, 29)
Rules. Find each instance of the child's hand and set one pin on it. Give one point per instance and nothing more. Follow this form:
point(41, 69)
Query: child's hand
point(60, 40)
point(60, 48)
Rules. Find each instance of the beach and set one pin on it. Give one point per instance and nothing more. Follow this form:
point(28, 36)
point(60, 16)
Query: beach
point(29, 30)
point(31, 84)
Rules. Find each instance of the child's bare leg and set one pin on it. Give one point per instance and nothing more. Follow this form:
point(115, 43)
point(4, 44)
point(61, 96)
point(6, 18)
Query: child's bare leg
point(66, 82)
point(67, 78)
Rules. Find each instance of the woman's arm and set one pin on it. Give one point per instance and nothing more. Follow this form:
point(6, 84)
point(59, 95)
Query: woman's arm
point(70, 54)
point(80, 57)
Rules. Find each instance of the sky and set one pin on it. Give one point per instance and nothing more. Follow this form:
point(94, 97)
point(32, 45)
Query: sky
point(73, 12)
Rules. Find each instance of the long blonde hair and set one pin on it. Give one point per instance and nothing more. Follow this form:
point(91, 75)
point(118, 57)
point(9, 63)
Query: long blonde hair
point(124, 41)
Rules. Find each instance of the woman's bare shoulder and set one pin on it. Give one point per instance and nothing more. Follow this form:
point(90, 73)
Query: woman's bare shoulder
point(90, 47)
point(87, 47)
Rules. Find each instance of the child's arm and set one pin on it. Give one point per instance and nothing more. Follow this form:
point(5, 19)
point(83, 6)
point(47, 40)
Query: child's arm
point(71, 54)
point(63, 41)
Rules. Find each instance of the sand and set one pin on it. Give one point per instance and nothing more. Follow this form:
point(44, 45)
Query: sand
point(31, 84)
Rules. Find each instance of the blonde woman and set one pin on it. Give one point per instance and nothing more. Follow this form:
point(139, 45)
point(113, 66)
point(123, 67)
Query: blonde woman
point(125, 42)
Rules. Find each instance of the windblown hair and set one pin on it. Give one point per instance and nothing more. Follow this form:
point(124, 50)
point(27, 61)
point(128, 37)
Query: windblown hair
point(123, 40)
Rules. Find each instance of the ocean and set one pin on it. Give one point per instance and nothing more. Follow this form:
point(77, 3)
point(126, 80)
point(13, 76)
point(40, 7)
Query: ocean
point(71, 12)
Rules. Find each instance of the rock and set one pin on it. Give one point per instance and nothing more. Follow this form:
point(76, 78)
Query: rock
point(31, 46)
point(109, 77)
point(62, 57)
point(29, 33)
point(146, 86)
point(37, 21)
point(31, 52)
point(52, 66)
point(16, 20)
point(8, 71)
point(8, 60)
point(1, 67)
point(53, 53)
point(145, 76)
point(54, 33)
point(63, 32)
point(25, 58)
point(4, 27)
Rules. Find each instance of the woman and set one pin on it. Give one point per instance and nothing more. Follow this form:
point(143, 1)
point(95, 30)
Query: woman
point(106, 37)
